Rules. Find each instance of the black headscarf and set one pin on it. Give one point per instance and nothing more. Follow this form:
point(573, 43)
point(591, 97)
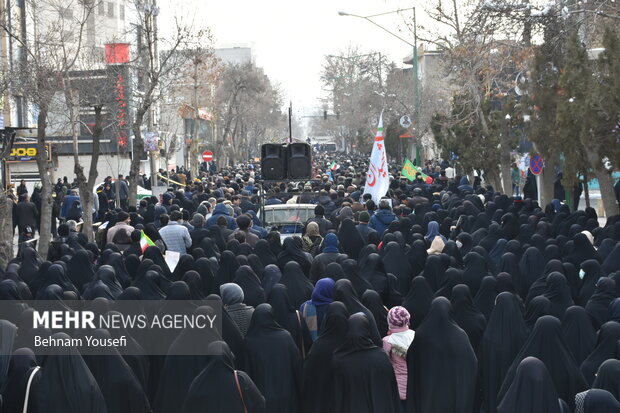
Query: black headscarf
point(210, 248)
point(558, 293)
point(121, 389)
point(154, 254)
point(441, 357)
point(612, 262)
point(532, 267)
point(297, 284)
point(181, 367)
point(231, 333)
point(547, 344)
point(118, 262)
point(30, 263)
point(606, 344)
point(351, 240)
point(265, 254)
point(475, 270)
point(598, 305)
point(80, 269)
point(579, 333)
point(359, 365)
point(434, 271)
point(250, 284)
point(372, 300)
point(345, 293)
point(531, 390)
point(395, 262)
point(289, 318)
point(466, 315)
point(228, 267)
point(582, 250)
point(318, 380)
point(203, 267)
point(418, 301)
point(485, 299)
point(186, 263)
point(374, 273)
point(292, 251)
point(592, 272)
point(216, 386)
point(608, 377)
point(67, 383)
point(503, 337)
point(194, 282)
point(417, 256)
point(273, 362)
point(271, 276)
point(599, 401)
point(536, 308)
point(22, 365)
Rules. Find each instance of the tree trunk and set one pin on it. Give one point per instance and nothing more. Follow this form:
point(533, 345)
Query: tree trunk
point(45, 232)
point(86, 186)
point(606, 185)
point(505, 161)
point(138, 150)
point(547, 179)
point(6, 229)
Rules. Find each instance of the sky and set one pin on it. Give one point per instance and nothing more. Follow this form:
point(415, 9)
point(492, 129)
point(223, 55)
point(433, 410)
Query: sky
point(290, 38)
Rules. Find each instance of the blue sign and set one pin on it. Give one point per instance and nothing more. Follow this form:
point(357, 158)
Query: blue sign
point(536, 164)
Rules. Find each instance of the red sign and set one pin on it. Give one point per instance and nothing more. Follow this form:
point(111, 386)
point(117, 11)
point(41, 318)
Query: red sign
point(117, 53)
point(536, 164)
point(207, 156)
point(121, 116)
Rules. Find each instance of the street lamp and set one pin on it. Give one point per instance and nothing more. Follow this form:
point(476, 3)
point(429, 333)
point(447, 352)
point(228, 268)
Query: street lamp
point(416, 89)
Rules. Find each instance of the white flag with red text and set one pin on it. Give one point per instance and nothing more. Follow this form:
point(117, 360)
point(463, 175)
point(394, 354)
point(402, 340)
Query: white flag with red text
point(377, 178)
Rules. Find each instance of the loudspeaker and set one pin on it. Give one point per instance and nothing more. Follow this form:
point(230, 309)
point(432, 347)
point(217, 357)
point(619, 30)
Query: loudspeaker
point(273, 161)
point(299, 161)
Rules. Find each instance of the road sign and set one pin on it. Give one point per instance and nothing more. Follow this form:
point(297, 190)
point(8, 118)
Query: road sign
point(536, 164)
point(207, 156)
point(405, 121)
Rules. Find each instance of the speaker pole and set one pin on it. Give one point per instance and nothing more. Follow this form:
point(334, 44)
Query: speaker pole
point(290, 122)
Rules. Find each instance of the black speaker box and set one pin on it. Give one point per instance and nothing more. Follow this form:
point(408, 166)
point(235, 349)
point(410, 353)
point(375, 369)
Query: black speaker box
point(273, 161)
point(299, 161)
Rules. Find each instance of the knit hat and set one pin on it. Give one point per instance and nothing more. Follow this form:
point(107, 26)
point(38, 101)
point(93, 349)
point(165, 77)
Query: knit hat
point(364, 216)
point(398, 318)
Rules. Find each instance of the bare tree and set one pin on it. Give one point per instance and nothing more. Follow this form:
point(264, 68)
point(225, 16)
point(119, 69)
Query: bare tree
point(155, 67)
point(248, 112)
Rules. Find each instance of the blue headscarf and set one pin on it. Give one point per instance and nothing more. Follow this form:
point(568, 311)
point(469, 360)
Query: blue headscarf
point(433, 231)
point(557, 205)
point(331, 243)
point(322, 293)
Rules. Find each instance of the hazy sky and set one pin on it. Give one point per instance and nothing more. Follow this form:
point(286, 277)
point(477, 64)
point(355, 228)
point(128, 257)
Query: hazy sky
point(290, 38)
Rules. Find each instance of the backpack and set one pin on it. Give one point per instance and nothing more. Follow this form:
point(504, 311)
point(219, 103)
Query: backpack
point(75, 211)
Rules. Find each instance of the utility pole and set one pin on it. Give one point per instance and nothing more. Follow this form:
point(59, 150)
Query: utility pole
point(290, 122)
point(151, 30)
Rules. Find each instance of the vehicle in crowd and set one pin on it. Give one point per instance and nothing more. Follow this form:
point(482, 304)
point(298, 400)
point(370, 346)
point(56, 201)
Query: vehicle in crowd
point(287, 219)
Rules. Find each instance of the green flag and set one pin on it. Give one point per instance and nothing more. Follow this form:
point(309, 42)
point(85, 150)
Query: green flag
point(410, 170)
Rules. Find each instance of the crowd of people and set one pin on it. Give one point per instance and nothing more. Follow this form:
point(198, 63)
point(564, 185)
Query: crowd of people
point(445, 296)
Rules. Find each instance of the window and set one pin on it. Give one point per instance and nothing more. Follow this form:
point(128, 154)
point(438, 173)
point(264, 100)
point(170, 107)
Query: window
point(121, 12)
point(110, 9)
point(101, 8)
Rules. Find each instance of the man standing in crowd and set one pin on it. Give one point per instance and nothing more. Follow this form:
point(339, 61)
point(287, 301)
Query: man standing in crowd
point(120, 233)
point(175, 235)
point(26, 217)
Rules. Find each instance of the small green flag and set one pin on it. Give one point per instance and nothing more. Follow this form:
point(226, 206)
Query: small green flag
point(410, 170)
